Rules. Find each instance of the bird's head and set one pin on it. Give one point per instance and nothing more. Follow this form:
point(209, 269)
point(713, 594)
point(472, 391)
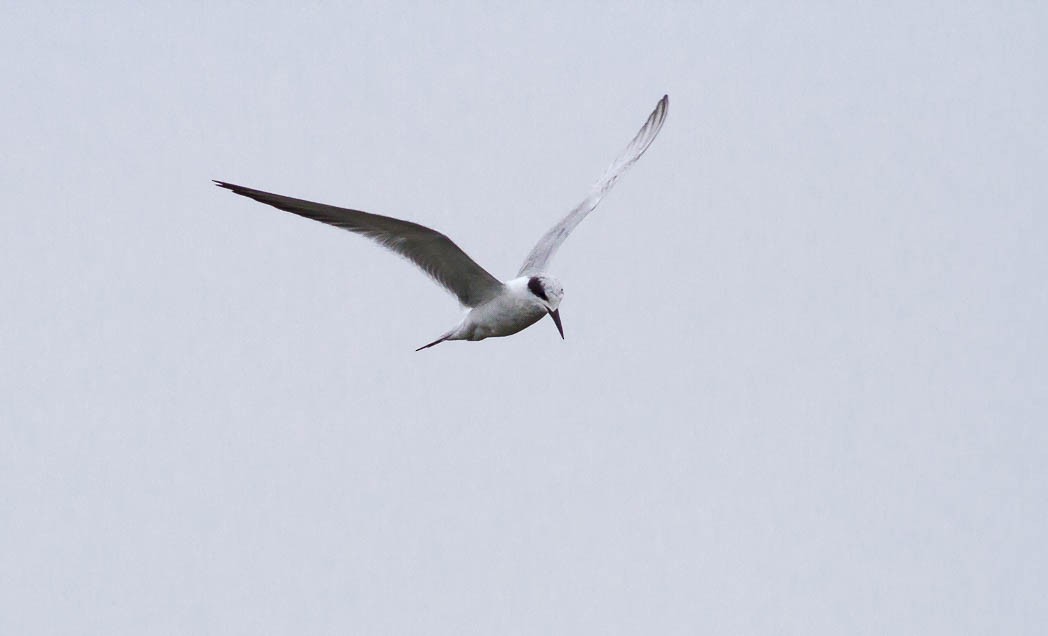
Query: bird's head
point(549, 293)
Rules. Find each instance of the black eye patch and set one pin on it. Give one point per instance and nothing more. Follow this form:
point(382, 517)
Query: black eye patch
point(536, 288)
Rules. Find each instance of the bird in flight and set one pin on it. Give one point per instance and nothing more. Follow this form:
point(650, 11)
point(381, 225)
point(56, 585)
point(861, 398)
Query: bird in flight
point(496, 308)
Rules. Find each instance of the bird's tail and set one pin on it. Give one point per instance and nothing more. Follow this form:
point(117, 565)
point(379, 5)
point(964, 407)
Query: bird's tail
point(435, 342)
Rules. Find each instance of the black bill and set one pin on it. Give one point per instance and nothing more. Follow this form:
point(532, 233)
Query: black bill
point(555, 315)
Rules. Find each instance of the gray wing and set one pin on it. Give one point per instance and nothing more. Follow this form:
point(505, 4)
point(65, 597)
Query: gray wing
point(435, 253)
point(547, 246)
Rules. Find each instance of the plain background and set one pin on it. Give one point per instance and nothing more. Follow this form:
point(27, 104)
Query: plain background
point(803, 389)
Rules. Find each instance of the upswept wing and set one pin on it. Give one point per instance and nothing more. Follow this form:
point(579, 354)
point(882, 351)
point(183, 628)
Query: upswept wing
point(549, 243)
point(433, 252)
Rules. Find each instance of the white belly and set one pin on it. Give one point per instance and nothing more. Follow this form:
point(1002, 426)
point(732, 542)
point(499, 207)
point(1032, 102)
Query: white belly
point(502, 316)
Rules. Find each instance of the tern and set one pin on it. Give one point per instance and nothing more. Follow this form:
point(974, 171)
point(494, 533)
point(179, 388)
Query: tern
point(496, 308)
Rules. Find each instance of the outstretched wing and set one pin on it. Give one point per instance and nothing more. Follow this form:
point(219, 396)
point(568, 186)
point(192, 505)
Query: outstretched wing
point(547, 246)
point(435, 253)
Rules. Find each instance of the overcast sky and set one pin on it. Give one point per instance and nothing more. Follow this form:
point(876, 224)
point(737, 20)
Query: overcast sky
point(803, 389)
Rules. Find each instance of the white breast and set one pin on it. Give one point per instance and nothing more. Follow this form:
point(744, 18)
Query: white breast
point(504, 315)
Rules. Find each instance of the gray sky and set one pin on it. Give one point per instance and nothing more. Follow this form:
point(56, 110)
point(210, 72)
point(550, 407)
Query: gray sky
point(803, 387)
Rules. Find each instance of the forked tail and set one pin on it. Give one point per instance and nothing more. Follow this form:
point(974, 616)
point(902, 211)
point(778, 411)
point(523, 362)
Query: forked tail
point(435, 342)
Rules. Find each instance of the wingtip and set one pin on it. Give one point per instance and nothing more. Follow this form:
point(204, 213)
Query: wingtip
point(232, 187)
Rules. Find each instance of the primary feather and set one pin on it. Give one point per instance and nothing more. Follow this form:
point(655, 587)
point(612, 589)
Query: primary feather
point(433, 252)
point(547, 246)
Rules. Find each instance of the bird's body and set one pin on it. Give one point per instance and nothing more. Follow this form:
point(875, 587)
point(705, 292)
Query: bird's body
point(504, 315)
point(514, 310)
point(496, 308)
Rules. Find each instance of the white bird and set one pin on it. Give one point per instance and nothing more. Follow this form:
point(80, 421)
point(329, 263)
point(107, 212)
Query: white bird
point(496, 308)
